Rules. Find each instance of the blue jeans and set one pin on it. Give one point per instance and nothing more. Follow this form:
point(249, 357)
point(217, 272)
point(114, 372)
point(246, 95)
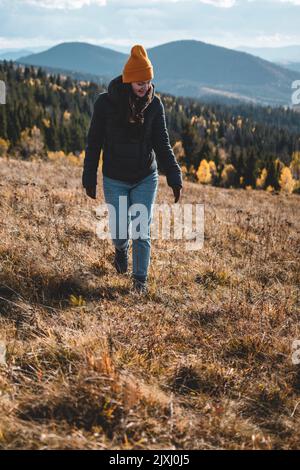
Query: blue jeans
point(121, 218)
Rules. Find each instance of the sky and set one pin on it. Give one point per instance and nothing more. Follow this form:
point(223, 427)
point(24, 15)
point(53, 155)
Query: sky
point(119, 24)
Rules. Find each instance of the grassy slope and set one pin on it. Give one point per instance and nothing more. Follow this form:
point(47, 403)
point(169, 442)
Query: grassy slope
point(203, 361)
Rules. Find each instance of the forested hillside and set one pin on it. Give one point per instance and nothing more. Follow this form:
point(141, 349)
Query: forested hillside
point(230, 146)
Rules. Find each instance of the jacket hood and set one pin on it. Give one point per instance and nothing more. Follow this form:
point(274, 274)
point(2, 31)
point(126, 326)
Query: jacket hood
point(117, 90)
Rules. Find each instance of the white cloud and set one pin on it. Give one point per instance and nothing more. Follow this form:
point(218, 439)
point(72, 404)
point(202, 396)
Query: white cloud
point(294, 2)
point(216, 3)
point(220, 3)
point(64, 4)
point(76, 4)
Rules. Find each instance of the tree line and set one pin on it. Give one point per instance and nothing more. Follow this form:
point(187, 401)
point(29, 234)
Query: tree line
point(241, 145)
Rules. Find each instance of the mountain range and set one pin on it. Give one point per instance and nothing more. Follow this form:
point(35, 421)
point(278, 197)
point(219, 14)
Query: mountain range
point(285, 56)
point(187, 68)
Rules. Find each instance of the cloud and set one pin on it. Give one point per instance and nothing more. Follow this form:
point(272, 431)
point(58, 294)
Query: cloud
point(216, 3)
point(228, 23)
point(220, 3)
point(294, 2)
point(64, 4)
point(77, 4)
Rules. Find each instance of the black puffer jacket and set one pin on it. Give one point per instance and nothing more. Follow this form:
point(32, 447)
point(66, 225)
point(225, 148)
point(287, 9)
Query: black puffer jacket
point(126, 157)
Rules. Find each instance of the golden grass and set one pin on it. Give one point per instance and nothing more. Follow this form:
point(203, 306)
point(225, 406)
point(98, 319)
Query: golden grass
point(201, 362)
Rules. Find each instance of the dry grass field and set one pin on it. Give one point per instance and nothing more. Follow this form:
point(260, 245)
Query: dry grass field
point(203, 361)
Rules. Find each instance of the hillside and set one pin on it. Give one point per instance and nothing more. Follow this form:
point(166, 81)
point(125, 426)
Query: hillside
point(183, 68)
point(14, 54)
point(80, 57)
point(292, 66)
point(286, 56)
point(275, 54)
point(47, 112)
point(202, 362)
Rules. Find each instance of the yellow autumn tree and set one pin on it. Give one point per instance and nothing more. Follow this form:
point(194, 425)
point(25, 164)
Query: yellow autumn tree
point(286, 181)
point(295, 165)
point(179, 150)
point(31, 142)
point(184, 170)
point(4, 146)
point(66, 116)
point(213, 170)
point(203, 173)
point(56, 156)
point(228, 175)
point(261, 180)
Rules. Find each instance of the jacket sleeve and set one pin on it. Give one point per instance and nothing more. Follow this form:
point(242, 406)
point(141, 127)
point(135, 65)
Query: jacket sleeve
point(164, 153)
point(94, 143)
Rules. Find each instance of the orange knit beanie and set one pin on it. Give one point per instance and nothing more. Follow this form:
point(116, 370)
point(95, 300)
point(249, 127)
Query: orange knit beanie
point(138, 68)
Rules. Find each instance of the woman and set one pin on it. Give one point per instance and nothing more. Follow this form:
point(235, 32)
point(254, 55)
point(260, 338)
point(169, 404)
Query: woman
point(129, 123)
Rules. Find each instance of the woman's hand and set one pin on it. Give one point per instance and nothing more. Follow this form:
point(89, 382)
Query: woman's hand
point(176, 192)
point(91, 191)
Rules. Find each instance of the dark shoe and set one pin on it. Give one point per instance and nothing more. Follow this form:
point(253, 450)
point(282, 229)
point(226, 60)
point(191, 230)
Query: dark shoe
point(140, 286)
point(121, 260)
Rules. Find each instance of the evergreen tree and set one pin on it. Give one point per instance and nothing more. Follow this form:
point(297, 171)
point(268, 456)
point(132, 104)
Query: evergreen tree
point(273, 172)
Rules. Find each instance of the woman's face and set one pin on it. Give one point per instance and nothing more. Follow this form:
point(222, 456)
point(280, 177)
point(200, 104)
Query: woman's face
point(141, 88)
